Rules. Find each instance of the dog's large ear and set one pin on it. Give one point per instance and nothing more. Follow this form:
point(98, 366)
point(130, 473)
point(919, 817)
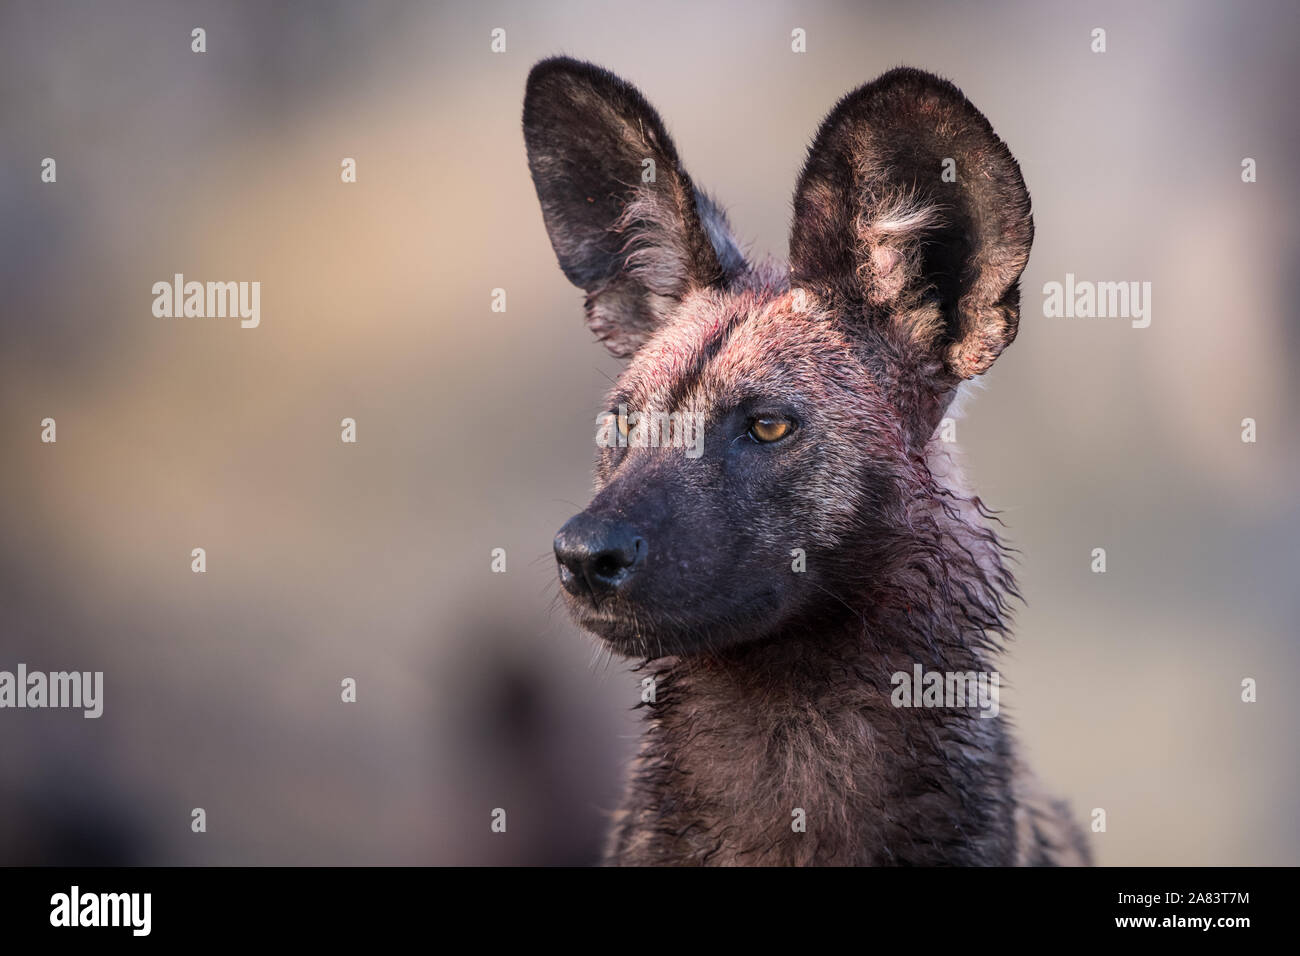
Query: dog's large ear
point(911, 210)
point(625, 220)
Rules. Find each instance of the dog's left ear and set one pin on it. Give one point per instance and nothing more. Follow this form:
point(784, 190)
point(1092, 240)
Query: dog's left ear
point(911, 212)
point(625, 220)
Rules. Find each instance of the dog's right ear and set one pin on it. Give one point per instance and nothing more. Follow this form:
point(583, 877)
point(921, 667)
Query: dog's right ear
point(635, 235)
point(877, 225)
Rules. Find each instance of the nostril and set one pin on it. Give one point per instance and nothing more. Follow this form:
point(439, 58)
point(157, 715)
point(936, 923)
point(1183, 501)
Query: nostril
point(608, 565)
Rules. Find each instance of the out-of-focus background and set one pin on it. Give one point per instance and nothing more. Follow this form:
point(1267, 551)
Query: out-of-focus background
point(372, 560)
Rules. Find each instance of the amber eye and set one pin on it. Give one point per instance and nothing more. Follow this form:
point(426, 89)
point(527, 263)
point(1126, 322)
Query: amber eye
point(623, 427)
point(767, 430)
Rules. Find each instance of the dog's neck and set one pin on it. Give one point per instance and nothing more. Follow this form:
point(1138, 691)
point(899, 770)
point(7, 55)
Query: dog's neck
point(792, 750)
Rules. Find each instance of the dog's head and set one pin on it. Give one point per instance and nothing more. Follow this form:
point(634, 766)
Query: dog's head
point(761, 446)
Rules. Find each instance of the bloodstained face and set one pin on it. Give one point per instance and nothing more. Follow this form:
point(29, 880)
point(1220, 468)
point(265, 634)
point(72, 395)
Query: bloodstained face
point(759, 453)
point(705, 542)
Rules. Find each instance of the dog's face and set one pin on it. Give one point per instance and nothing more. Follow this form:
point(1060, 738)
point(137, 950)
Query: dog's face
point(758, 446)
point(776, 419)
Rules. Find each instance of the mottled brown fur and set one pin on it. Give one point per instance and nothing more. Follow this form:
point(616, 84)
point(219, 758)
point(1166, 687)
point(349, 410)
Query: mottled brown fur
point(772, 683)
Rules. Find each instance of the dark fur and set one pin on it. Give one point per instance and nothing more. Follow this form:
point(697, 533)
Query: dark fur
point(773, 687)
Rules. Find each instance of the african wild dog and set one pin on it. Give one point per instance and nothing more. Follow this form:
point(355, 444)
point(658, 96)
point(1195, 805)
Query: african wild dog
point(821, 387)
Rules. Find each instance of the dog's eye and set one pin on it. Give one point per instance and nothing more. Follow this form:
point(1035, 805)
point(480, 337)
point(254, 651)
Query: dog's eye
point(623, 428)
point(767, 430)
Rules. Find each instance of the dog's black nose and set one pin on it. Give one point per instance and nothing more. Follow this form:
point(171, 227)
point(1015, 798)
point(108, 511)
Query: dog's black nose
point(597, 555)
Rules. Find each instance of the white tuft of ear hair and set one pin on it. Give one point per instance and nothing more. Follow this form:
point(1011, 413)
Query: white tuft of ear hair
point(889, 238)
point(903, 214)
point(654, 253)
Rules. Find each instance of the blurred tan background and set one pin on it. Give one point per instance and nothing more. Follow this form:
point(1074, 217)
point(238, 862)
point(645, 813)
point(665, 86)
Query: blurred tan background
point(371, 560)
